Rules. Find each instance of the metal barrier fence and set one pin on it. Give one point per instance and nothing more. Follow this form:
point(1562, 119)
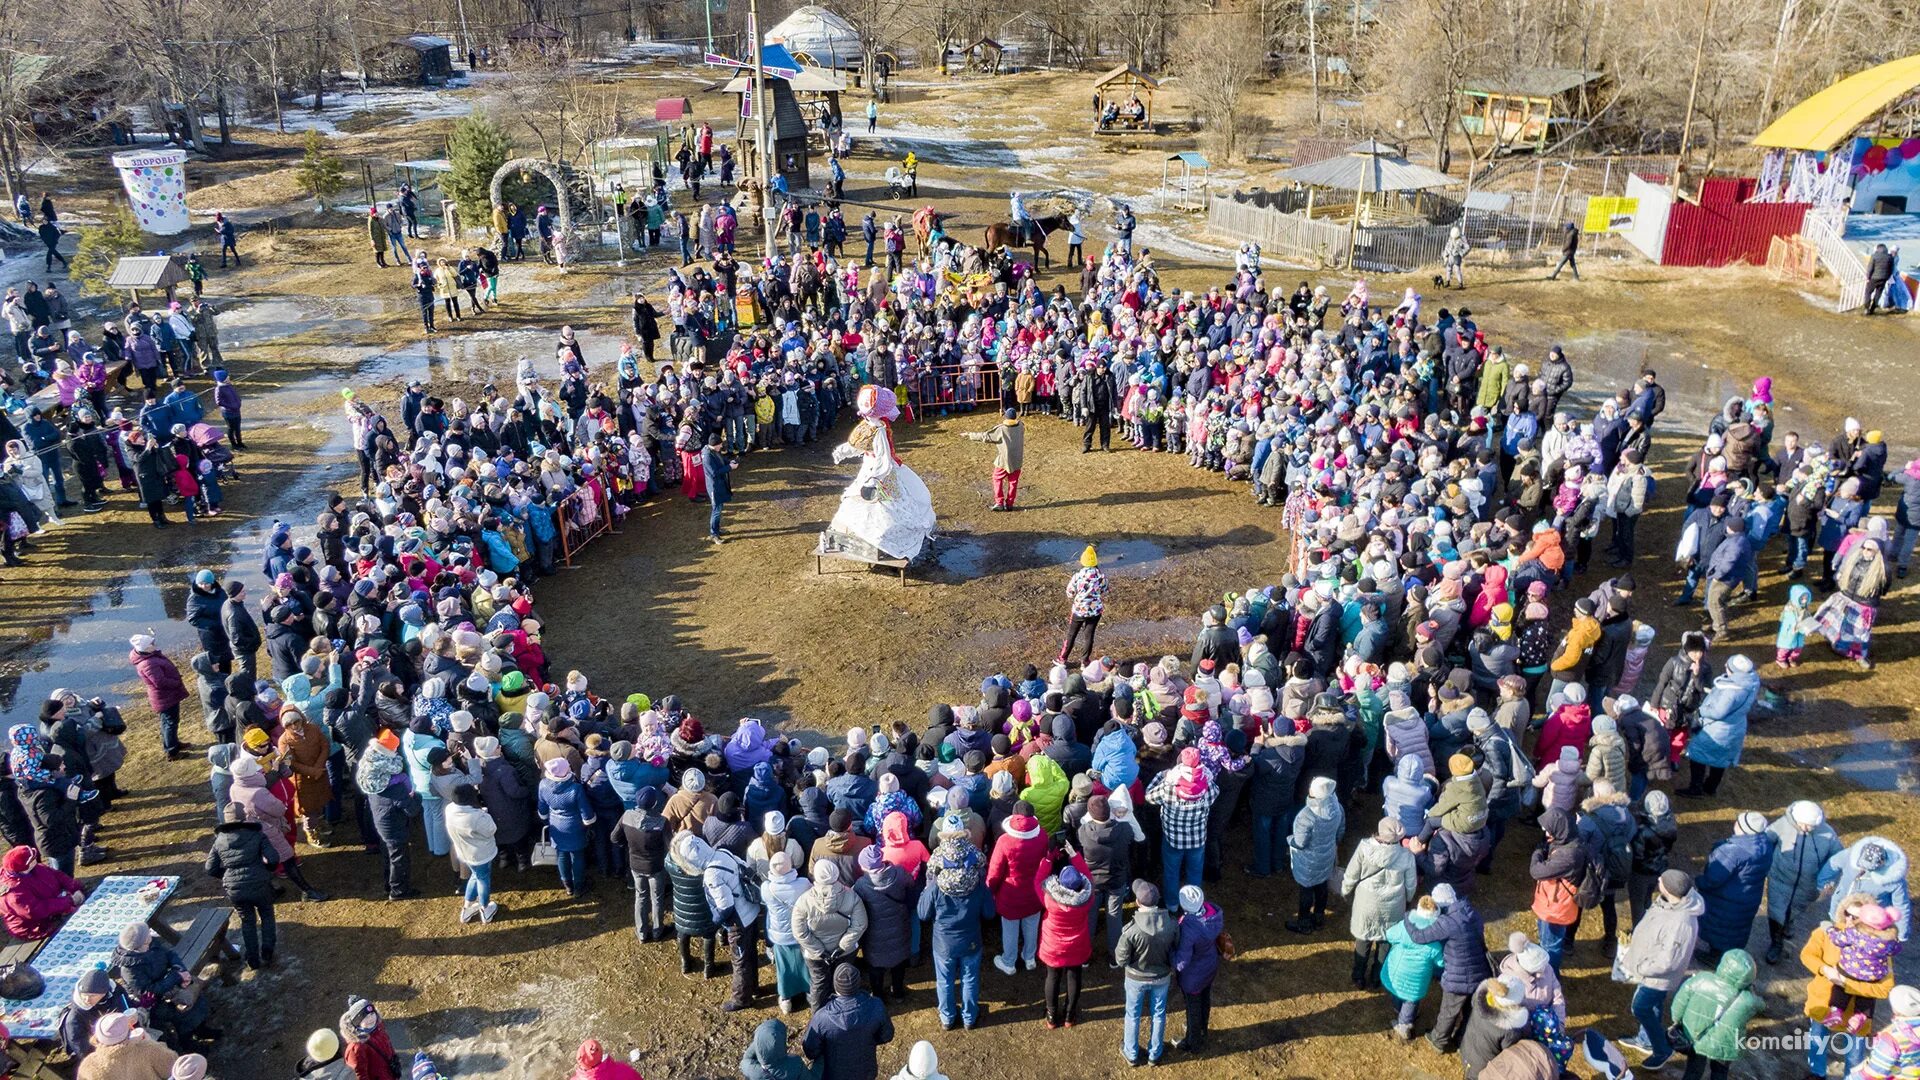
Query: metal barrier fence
point(583, 517)
point(954, 386)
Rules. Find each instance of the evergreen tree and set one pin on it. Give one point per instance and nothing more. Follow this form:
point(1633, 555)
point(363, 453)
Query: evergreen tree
point(101, 247)
point(476, 149)
point(321, 174)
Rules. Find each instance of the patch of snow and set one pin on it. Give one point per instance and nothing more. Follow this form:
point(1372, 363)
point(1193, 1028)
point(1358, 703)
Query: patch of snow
point(414, 102)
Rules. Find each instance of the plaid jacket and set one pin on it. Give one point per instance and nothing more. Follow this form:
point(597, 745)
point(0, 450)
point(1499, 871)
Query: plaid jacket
point(1183, 822)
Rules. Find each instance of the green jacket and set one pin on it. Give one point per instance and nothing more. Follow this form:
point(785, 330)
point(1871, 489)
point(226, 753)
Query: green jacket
point(1494, 377)
point(1715, 1006)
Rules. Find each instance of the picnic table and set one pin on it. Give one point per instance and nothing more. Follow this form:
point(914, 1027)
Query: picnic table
point(86, 942)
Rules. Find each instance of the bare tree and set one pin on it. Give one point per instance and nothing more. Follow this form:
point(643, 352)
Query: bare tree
point(1217, 58)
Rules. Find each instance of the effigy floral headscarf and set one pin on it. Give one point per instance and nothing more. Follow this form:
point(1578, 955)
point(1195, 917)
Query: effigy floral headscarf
point(878, 406)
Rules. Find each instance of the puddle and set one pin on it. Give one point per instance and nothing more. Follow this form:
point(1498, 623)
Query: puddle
point(261, 321)
point(962, 558)
point(491, 355)
point(1873, 762)
point(1124, 557)
point(1604, 362)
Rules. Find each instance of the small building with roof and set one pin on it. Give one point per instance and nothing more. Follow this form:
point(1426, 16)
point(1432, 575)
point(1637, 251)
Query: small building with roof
point(148, 273)
point(1123, 101)
point(416, 58)
point(1526, 108)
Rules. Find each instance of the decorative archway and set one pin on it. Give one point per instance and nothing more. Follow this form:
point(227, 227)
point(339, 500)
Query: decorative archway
point(496, 193)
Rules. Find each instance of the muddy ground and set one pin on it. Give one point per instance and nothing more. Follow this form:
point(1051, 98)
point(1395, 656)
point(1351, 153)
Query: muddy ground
point(749, 628)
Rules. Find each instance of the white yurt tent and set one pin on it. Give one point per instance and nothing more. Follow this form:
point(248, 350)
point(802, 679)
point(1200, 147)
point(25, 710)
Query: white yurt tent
point(825, 39)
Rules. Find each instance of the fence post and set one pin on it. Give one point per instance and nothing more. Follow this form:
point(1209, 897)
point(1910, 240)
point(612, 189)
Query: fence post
point(1533, 207)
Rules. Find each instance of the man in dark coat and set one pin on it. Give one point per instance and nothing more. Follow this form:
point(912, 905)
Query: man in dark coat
point(1879, 272)
point(1464, 963)
point(845, 1034)
point(1569, 248)
point(719, 481)
point(1095, 401)
point(153, 470)
point(245, 864)
point(243, 634)
point(1215, 641)
point(285, 643)
point(205, 601)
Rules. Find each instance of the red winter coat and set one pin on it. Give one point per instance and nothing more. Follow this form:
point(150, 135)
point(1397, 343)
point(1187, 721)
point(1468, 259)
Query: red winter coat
point(1570, 725)
point(164, 688)
point(1014, 871)
point(1066, 933)
point(35, 902)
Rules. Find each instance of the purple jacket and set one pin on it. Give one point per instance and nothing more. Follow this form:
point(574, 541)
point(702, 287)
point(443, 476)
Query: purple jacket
point(1196, 956)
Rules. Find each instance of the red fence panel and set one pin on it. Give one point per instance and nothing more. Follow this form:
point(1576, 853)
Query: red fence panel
point(1725, 232)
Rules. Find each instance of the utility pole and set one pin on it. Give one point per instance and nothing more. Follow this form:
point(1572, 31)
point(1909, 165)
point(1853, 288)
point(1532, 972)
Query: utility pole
point(763, 145)
point(709, 7)
point(466, 36)
point(1313, 57)
point(1693, 90)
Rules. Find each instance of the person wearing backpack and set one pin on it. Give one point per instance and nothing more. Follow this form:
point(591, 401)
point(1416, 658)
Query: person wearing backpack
point(1560, 865)
point(1606, 827)
point(1509, 774)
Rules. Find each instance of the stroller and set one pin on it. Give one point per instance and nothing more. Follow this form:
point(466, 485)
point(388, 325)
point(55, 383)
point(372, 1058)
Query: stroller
point(211, 442)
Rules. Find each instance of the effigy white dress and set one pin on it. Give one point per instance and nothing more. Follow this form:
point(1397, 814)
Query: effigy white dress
point(886, 512)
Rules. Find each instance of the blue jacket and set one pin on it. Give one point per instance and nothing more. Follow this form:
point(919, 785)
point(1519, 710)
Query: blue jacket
point(1723, 719)
point(1410, 965)
point(845, 1035)
point(1114, 761)
point(1464, 935)
point(567, 810)
point(956, 920)
point(627, 778)
point(1732, 884)
point(1887, 885)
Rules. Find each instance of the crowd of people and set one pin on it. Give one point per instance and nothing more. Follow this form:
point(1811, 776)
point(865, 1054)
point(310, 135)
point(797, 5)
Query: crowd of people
point(1437, 674)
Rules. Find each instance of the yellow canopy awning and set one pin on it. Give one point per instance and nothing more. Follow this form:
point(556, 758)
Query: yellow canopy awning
point(1826, 118)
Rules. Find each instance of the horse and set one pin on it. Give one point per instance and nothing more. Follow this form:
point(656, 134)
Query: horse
point(924, 221)
point(1001, 234)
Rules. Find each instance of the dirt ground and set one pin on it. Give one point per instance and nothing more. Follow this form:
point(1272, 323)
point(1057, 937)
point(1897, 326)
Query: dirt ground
point(749, 628)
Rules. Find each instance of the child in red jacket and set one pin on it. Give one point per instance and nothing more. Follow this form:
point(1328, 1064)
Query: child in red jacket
point(34, 897)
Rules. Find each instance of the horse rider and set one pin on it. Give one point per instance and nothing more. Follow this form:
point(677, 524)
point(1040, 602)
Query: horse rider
point(1020, 220)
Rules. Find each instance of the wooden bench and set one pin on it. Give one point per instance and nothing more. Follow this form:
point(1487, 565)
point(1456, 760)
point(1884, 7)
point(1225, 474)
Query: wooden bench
point(20, 952)
point(205, 941)
point(819, 564)
point(38, 1060)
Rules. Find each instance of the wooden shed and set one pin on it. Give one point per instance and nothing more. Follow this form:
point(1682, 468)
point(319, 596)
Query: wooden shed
point(1123, 101)
point(542, 38)
point(416, 58)
point(1523, 109)
point(147, 273)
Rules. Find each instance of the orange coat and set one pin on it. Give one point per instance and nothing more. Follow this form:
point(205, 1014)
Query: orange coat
point(306, 755)
point(1820, 952)
point(1545, 546)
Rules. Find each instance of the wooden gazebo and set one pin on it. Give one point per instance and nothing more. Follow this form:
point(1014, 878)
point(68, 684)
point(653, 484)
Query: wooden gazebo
point(1119, 89)
point(983, 55)
point(542, 38)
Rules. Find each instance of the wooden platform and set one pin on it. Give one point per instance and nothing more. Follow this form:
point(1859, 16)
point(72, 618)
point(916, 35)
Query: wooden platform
point(821, 554)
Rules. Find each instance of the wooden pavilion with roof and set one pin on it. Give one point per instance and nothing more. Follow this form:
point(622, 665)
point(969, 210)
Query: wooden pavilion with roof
point(1522, 109)
point(1118, 90)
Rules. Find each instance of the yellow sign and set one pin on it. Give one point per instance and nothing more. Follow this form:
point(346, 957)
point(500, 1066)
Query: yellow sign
point(743, 311)
point(1611, 213)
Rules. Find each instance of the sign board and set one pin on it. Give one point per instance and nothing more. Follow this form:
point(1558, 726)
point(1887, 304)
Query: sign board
point(746, 104)
point(774, 70)
point(156, 185)
point(1610, 213)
